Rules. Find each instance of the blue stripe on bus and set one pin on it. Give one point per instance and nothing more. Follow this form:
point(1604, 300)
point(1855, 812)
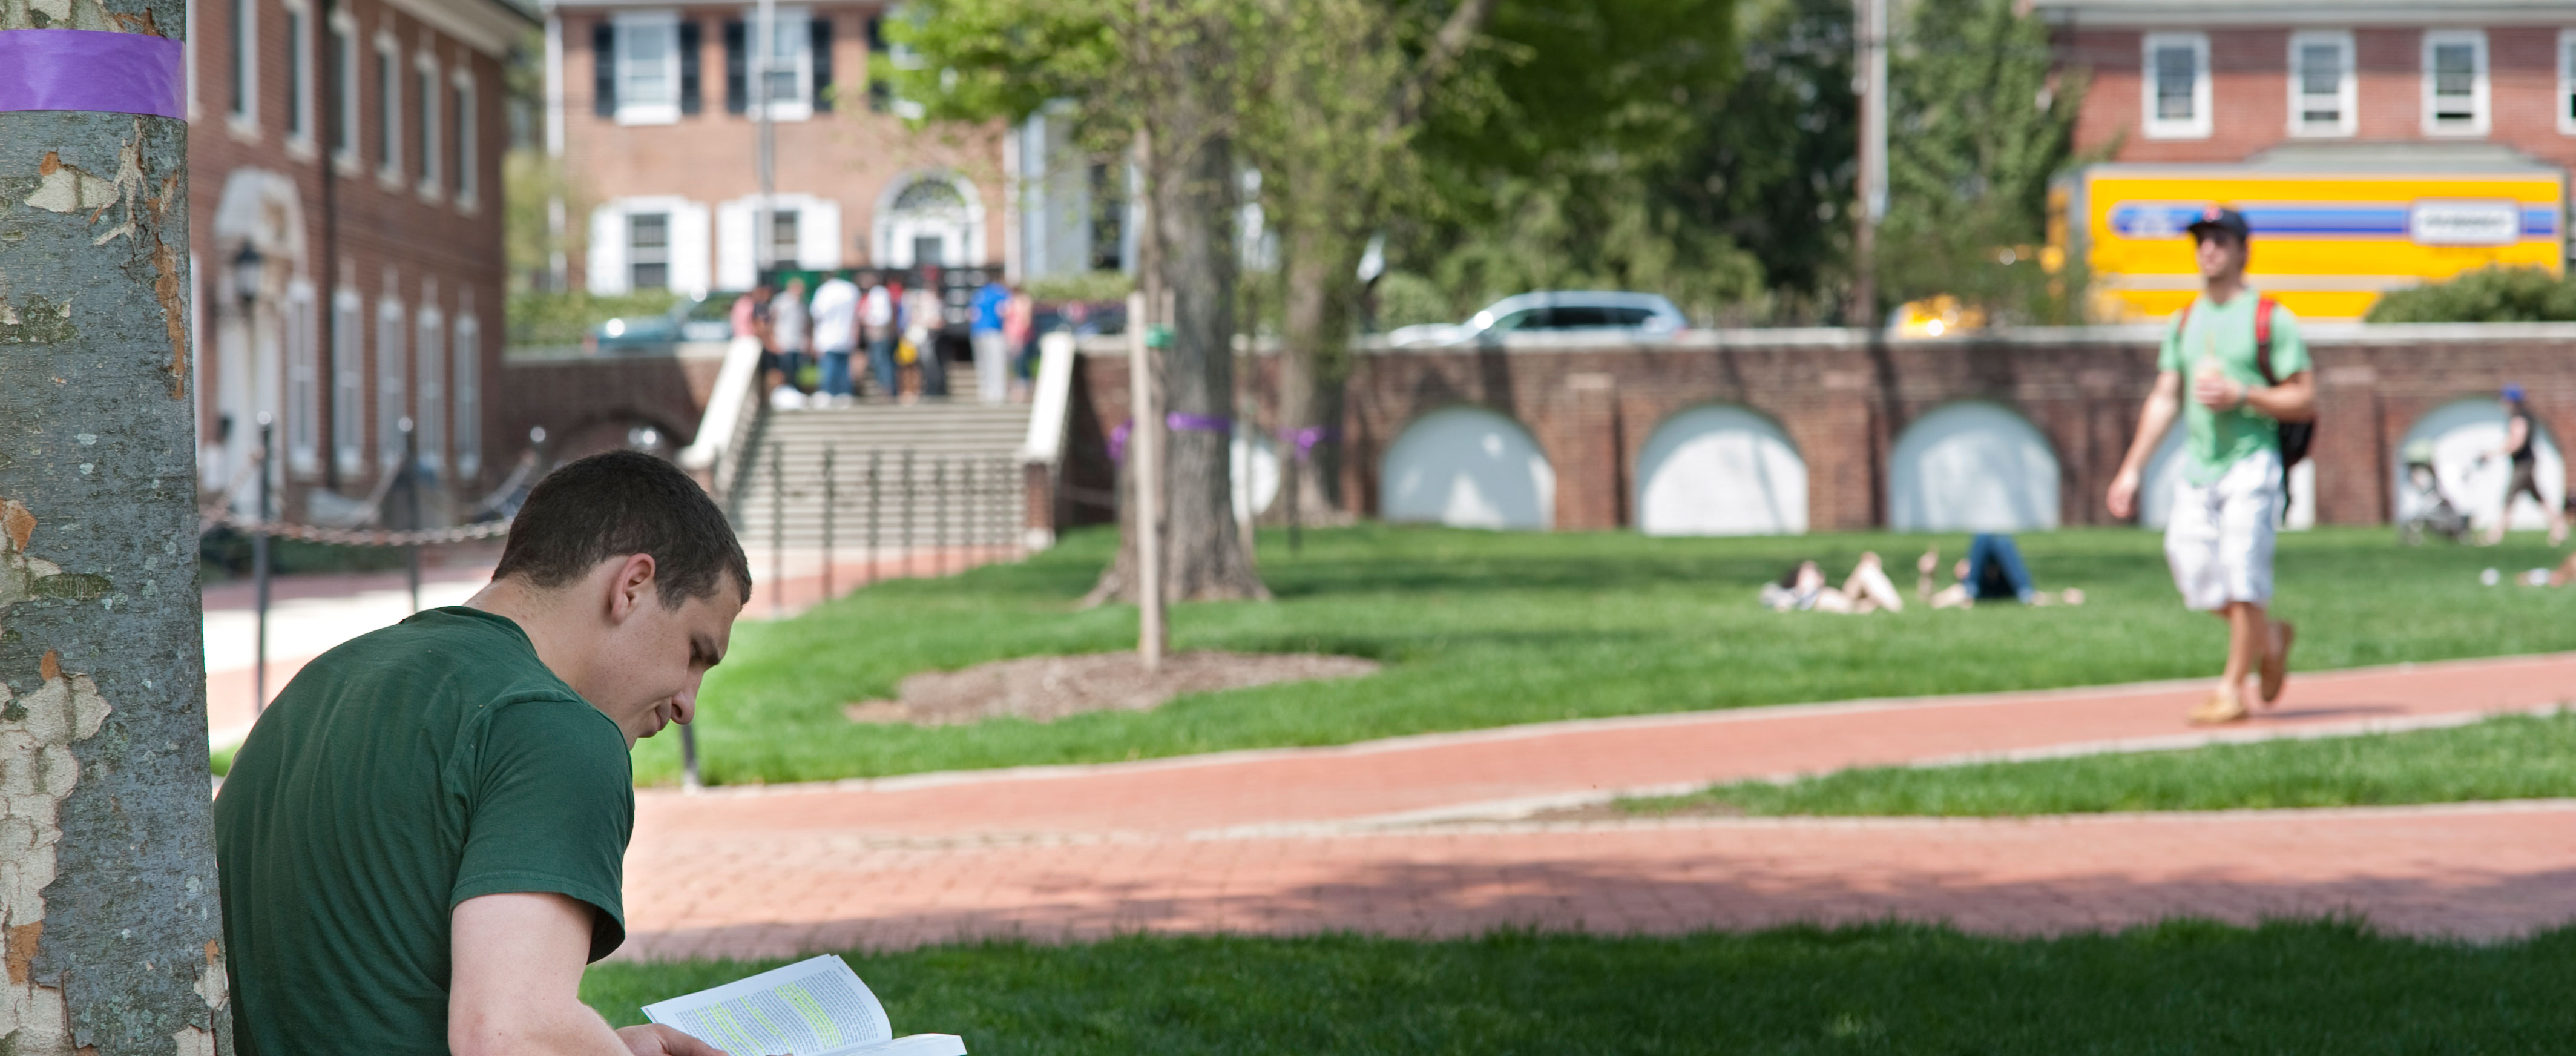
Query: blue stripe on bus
point(2148, 221)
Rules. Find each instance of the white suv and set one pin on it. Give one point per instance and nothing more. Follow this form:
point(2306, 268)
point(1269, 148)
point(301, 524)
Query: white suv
point(1553, 312)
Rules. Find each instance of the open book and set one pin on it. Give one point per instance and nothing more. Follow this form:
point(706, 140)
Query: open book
point(814, 1007)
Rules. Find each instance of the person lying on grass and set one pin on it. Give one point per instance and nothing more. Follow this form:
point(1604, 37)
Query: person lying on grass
point(1803, 588)
point(422, 841)
point(1992, 571)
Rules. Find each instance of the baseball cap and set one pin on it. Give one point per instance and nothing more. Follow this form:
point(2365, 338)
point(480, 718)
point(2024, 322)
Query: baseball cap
point(2513, 392)
point(2220, 218)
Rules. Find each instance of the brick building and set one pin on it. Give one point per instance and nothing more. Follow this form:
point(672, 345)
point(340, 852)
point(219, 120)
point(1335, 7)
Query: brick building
point(654, 113)
point(345, 162)
point(2377, 143)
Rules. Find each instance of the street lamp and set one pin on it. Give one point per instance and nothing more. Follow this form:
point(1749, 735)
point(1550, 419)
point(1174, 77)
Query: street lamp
point(247, 266)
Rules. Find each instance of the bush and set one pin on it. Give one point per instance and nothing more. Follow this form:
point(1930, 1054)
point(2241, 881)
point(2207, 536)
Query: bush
point(2487, 295)
point(543, 318)
point(1089, 286)
point(1404, 299)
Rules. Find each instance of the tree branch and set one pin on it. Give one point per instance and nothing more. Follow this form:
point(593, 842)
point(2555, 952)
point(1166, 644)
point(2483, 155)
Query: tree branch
point(1446, 47)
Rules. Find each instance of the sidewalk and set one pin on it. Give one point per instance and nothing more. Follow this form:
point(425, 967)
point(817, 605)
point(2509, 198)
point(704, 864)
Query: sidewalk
point(1386, 836)
point(311, 614)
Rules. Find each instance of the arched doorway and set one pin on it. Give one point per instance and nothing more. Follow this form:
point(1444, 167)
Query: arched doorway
point(1467, 467)
point(263, 327)
point(2461, 432)
point(1720, 471)
point(929, 218)
point(1972, 467)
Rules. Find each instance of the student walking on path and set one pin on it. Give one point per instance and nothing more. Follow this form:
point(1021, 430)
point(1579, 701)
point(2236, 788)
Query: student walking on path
point(2519, 433)
point(2249, 375)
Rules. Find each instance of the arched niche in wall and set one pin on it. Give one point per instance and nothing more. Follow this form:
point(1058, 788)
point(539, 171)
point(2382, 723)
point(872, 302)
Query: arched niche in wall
point(2460, 432)
point(1975, 467)
point(1470, 468)
point(1720, 470)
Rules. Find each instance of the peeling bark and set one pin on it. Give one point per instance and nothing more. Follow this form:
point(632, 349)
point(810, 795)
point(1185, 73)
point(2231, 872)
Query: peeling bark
point(109, 926)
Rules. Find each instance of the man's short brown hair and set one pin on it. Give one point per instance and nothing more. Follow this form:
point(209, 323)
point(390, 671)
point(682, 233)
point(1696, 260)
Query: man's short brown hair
point(619, 503)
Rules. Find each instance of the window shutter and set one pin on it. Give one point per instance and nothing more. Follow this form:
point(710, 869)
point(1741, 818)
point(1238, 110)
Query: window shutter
point(603, 65)
point(737, 69)
point(689, 94)
point(822, 53)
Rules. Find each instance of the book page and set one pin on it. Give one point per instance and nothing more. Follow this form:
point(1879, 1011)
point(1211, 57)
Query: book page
point(809, 1008)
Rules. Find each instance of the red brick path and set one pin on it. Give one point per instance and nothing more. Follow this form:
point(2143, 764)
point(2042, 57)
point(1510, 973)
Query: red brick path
point(1369, 836)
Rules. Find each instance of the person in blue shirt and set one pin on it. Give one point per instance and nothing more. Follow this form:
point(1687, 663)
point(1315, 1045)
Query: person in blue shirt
point(992, 345)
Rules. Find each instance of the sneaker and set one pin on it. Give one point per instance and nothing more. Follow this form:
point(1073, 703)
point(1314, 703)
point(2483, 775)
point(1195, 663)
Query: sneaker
point(2218, 710)
point(2276, 661)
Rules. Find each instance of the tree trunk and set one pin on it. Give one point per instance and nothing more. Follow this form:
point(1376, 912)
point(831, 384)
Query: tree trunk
point(107, 868)
point(1314, 361)
point(1205, 559)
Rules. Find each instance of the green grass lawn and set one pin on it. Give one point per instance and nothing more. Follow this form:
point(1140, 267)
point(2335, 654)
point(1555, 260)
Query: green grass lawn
point(1483, 629)
point(2514, 757)
point(2184, 987)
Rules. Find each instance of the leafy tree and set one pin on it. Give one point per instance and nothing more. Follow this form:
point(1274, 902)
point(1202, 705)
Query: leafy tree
point(1162, 78)
point(2486, 295)
point(1980, 125)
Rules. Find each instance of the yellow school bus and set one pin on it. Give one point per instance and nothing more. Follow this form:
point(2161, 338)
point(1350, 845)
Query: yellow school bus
point(2326, 244)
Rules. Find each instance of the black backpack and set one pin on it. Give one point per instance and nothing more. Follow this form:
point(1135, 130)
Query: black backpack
point(2295, 436)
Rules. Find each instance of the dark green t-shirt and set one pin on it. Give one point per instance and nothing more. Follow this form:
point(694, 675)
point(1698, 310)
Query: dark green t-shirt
point(398, 775)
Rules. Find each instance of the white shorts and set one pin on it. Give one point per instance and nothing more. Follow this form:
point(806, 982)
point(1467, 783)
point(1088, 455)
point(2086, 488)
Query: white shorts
point(2219, 540)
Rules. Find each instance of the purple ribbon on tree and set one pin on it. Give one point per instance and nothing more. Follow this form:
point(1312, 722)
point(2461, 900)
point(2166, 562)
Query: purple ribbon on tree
point(1304, 440)
point(1118, 441)
point(92, 71)
point(1199, 423)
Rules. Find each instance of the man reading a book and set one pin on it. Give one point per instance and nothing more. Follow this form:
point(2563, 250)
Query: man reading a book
point(422, 840)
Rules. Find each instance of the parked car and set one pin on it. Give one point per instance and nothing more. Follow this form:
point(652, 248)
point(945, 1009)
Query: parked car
point(708, 318)
point(1554, 312)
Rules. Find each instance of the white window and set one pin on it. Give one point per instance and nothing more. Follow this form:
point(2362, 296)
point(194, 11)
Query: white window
point(427, 91)
point(468, 154)
point(245, 65)
point(2566, 99)
point(430, 425)
point(389, 120)
point(2323, 89)
point(2455, 82)
point(2175, 85)
point(391, 408)
point(348, 382)
point(648, 251)
point(343, 52)
point(788, 69)
point(303, 381)
point(469, 396)
point(782, 238)
point(299, 76)
point(648, 68)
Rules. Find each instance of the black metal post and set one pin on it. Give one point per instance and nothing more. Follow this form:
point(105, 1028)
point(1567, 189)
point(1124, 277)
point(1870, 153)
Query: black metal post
point(259, 571)
point(939, 518)
point(906, 514)
point(831, 497)
point(974, 505)
point(869, 568)
point(411, 487)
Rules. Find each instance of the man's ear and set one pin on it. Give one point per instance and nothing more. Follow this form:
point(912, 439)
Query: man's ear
point(632, 587)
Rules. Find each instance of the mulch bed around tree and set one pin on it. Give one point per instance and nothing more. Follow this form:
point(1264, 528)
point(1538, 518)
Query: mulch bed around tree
point(1046, 688)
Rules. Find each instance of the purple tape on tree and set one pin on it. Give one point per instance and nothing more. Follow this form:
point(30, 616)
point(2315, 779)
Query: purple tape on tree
point(1199, 423)
point(88, 70)
point(1118, 441)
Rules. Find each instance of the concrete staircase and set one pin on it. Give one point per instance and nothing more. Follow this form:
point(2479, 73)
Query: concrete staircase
point(940, 473)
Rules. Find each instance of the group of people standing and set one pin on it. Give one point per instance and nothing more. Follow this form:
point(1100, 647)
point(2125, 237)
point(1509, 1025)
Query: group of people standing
point(898, 327)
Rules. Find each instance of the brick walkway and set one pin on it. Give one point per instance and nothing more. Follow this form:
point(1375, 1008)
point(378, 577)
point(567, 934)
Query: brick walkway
point(1419, 835)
